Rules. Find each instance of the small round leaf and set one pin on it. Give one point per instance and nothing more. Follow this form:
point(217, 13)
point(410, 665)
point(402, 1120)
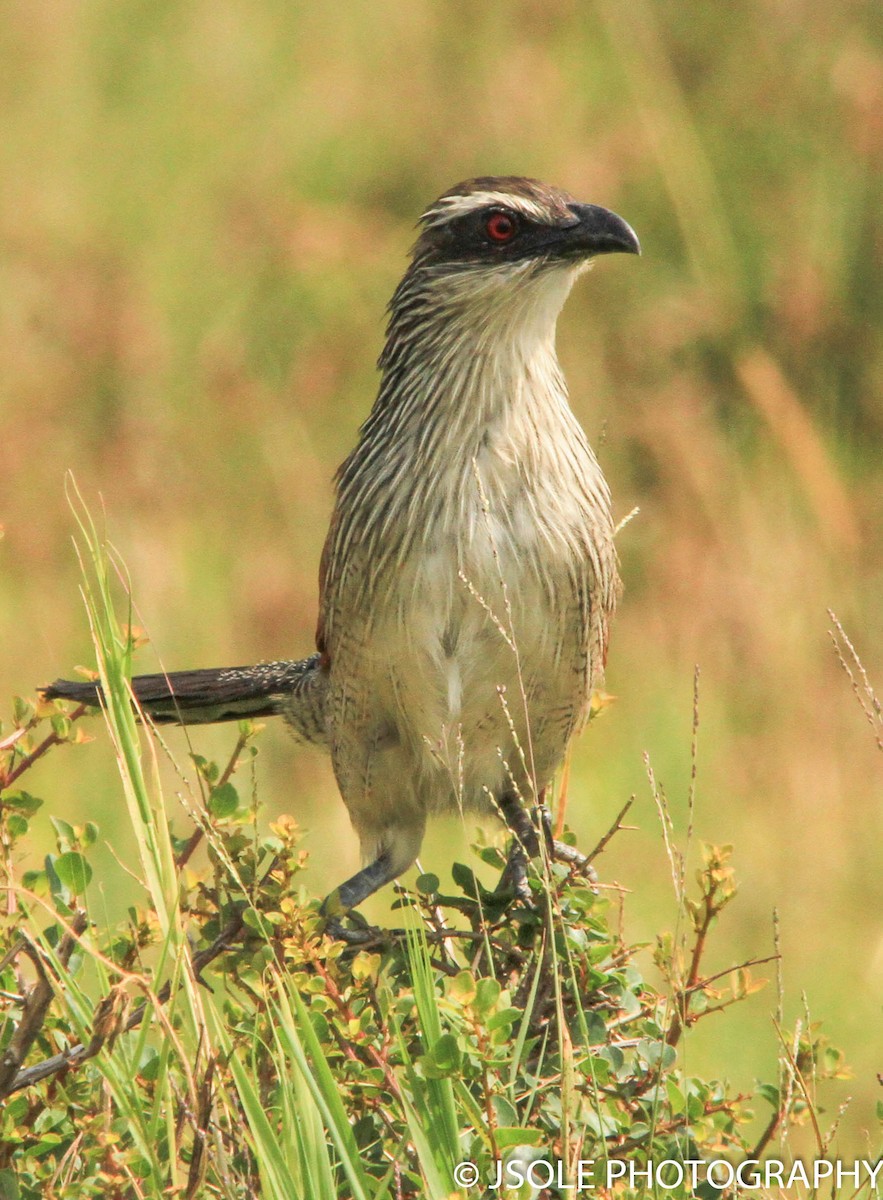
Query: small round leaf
point(223, 801)
point(74, 871)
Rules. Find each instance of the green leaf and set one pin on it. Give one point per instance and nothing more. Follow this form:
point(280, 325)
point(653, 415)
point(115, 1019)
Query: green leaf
point(770, 1093)
point(56, 887)
point(261, 959)
point(676, 1097)
point(505, 1112)
point(224, 801)
point(64, 832)
point(22, 710)
point(504, 1019)
point(22, 802)
point(61, 725)
point(446, 1053)
point(518, 1136)
point(596, 1068)
point(16, 1107)
point(614, 1056)
point(208, 770)
point(252, 919)
point(656, 1053)
point(149, 1066)
point(464, 877)
point(74, 871)
point(487, 993)
point(49, 1118)
point(366, 966)
point(462, 988)
point(427, 884)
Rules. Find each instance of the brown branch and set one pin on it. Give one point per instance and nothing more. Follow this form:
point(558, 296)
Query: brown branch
point(680, 1018)
point(337, 999)
point(192, 842)
point(614, 829)
point(768, 1134)
point(81, 1053)
point(750, 962)
point(36, 1003)
point(669, 1127)
point(53, 739)
point(198, 833)
point(201, 1124)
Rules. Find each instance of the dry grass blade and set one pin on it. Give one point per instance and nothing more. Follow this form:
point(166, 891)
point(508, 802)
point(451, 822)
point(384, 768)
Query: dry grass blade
point(848, 657)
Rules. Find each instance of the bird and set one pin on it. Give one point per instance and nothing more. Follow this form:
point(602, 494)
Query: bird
point(469, 575)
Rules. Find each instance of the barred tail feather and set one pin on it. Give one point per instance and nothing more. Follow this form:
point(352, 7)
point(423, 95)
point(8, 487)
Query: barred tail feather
point(204, 697)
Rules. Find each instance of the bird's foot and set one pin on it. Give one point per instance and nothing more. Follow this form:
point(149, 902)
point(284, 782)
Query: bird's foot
point(562, 852)
point(514, 879)
point(362, 937)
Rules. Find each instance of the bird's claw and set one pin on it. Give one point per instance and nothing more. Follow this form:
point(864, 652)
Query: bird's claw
point(561, 852)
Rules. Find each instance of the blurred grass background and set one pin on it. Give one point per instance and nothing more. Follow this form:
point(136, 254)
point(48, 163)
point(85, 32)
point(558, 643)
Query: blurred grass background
point(205, 207)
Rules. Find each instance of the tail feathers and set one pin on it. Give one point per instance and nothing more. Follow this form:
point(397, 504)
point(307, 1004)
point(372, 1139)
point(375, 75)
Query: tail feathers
point(207, 696)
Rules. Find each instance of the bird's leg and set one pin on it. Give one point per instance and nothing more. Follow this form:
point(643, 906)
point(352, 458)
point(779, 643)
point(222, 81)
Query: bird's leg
point(525, 845)
point(351, 893)
point(560, 851)
point(514, 877)
point(518, 819)
point(543, 819)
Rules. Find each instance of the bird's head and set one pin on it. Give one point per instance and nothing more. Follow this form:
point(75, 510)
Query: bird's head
point(504, 245)
point(496, 221)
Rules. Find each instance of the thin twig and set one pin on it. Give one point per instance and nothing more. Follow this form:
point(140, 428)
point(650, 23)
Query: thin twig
point(751, 962)
point(198, 833)
point(614, 829)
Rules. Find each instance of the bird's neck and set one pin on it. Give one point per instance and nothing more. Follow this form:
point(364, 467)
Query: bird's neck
point(471, 425)
point(462, 356)
point(472, 414)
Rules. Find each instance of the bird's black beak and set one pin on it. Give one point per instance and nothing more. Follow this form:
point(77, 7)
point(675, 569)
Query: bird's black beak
point(596, 231)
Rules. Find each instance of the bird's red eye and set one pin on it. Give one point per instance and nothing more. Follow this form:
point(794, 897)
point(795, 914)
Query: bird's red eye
point(501, 227)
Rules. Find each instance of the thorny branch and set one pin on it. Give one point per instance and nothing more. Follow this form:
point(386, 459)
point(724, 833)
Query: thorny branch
point(614, 829)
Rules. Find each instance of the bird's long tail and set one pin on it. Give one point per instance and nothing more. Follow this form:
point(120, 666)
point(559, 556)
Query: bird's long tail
point(294, 690)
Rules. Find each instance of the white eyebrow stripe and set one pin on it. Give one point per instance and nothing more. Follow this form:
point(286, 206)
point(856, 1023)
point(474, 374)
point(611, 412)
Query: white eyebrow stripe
point(448, 208)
